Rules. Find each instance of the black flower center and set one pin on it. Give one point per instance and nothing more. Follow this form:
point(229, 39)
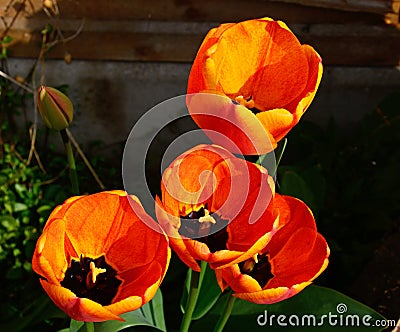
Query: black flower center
point(258, 268)
point(204, 227)
point(254, 110)
point(93, 279)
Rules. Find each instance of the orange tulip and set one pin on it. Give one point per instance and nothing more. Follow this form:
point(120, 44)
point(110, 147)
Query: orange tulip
point(215, 207)
point(265, 78)
point(290, 261)
point(97, 258)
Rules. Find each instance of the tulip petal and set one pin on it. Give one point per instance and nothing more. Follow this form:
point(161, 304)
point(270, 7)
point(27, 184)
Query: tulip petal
point(272, 295)
point(256, 248)
point(138, 280)
point(128, 304)
point(311, 252)
point(239, 282)
point(131, 250)
point(86, 234)
point(230, 125)
point(269, 65)
point(81, 309)
point(199, 80)
point(278, 122)
point(49, 258)
point(300, 104)
point(293, 214)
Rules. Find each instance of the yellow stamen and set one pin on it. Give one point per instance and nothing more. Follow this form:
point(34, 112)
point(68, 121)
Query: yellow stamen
point(93, 273)
point(248, 265)
point(249, 103)
point(207, 217)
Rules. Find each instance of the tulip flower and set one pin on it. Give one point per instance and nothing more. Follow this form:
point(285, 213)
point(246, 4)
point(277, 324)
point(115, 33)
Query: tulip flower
point(215, 207)
point(97, 257)
point(265, 79)
point(55, 108)
point(290, 261)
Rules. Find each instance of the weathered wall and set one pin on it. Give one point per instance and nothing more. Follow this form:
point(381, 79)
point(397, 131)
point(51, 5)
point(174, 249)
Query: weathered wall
point(130, 55)
point(110, 96)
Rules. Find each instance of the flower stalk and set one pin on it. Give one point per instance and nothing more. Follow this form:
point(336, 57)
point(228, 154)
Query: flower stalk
point(195, 284)
point(191, 301)
point(223, 319)
point(89, 326)
point(71, 163)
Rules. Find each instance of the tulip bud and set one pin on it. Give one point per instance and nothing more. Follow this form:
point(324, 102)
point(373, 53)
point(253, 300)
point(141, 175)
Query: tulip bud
point(55, 108)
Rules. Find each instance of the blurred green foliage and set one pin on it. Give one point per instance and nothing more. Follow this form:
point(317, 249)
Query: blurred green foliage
point(28, 194)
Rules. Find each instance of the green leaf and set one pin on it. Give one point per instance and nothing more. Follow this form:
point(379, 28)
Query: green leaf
point(312, 303)
point(157, 310)
point(20, 189)
point(293, 184)
point(7, 39)
point(133, 318)
point(35, 312)
point(43, 209)
point(9, 223)
point(151, 314)
point(153, 311)
point(146, 312)
point(18, 207)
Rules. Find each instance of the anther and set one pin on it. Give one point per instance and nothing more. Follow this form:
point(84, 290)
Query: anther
point(91, 277)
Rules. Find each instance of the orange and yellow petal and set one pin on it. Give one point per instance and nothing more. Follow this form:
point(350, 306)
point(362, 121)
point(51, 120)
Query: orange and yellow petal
point(311, 254)
point(298, 106)
point(293, 214)
point(272, 295)
point(49, 259)
point(230, 124)
point(81, 309)
point(277, 121)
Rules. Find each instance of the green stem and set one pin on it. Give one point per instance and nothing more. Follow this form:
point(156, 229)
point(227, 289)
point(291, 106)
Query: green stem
point(280, 153)
point(226, 314)
point(195, 283)
point(261, 159)
point(89, 326)
point(71, 162)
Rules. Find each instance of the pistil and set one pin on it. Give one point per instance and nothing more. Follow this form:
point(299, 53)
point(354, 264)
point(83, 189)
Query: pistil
point(92, 275)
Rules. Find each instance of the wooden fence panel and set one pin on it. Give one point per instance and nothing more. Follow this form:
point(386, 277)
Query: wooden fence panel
point(351, 32)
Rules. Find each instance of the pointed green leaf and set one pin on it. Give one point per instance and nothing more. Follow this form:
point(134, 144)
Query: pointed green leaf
point(157, 310)
point(151, 314)
point(146, 312)
point(292, 184)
